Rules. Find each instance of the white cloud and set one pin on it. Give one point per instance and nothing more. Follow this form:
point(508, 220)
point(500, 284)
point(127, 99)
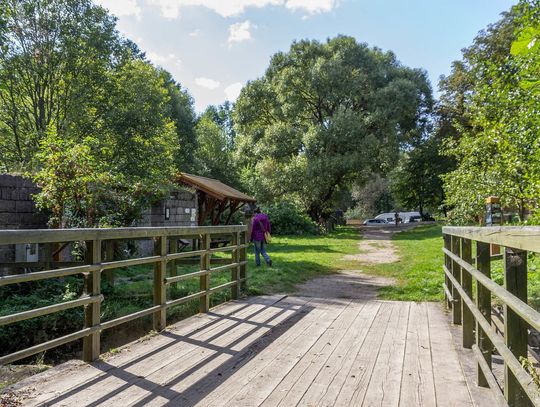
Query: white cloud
point(207, 83)
point(228, 8)
point(233, 91)
point(240, 32)
point(312, 6)
point(162, 60)
point(121, 8)
point(195, 33)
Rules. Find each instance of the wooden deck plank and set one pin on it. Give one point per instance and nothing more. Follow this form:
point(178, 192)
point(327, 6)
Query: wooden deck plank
point(385, 384)
point(207, 352)
point(450, 386)
point(269, 378)
point(251, 367)
point(357, 381)
point(417, 385)
point(299, 379)
point(166, 349)
point(279, 351)
point(326, 385)
point(204, 367)
point(61, 379)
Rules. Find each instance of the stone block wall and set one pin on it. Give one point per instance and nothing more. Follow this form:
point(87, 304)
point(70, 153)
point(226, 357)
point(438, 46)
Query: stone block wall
point(18, 211)
point(181, 207)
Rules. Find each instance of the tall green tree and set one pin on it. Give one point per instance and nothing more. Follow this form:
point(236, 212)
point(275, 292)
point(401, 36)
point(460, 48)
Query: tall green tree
point(322, 114)
point(54, 56)
point(497, 153)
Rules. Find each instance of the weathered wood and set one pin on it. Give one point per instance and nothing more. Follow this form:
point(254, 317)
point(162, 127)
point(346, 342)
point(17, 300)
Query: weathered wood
point(450, 385)
point(488, 375)
point(92, 287)
point(522, 377)
point(21, 316)
point(529, 314)
point(519, 237)
point(235, 272)
point(243, 257)
point(456, 272)
point(483, 302)
point(160, 289)
point(466, 283)
point(173, 266)
point(417, 386)
point(515, 329)
point(85, 234)
point(204, 282)
point(43, 275)
point(448, 292)
point(109, 256)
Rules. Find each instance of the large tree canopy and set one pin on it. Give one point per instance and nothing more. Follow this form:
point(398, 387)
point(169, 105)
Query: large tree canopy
point(498, 131)
point(322, 114)
point(101, 129)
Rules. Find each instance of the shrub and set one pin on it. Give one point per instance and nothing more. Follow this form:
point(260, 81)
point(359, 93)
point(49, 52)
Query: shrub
point(287, 219)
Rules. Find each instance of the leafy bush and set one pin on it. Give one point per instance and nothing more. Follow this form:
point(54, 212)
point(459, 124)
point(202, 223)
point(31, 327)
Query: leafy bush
point(287, 219)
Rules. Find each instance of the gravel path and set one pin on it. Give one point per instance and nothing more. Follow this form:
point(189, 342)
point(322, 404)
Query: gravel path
point(376, 247)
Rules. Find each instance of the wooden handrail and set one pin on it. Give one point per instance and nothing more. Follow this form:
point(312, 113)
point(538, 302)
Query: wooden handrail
point(519, 388)
point(94, 266)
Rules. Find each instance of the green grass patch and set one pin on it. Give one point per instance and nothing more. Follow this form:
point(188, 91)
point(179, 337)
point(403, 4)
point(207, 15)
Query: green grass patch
point(418, 273)
point(297, 259)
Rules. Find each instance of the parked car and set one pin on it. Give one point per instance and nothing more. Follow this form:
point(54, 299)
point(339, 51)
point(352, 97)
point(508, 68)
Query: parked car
point(375, 222)
point(413, 219)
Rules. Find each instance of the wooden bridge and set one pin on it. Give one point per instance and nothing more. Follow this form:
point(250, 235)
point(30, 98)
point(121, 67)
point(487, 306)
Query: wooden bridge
point(345, 348)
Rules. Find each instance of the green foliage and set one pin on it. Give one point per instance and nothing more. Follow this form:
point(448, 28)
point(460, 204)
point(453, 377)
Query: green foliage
point(497, 138)
point(287, 219)
point(371, 197)
point(101, 129)
point(322, 114)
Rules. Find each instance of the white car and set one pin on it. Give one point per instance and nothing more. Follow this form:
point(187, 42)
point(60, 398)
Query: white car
point(375, 222)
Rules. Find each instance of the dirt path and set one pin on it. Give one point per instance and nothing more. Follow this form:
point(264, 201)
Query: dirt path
point(376, 247)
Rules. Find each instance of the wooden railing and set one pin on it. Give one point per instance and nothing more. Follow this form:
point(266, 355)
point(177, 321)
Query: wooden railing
point(465, 262)
point(96, 241)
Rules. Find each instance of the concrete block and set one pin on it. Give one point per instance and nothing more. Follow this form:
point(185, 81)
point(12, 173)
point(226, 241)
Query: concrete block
point(7, 180)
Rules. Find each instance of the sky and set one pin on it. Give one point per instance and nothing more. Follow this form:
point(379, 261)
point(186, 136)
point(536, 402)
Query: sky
point(214, 47)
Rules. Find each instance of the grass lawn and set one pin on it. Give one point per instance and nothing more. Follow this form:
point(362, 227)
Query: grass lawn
point(299, 258)
point(418, 273)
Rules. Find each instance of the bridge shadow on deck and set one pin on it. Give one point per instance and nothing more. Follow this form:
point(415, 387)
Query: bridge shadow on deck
point(172, 375)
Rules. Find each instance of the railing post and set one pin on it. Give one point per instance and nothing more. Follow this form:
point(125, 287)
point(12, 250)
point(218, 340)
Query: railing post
point(109, 256)
point(92, 286)
point(483, 302)
point(448, 264)
point(456, 272)
point(235, 272)
point(160, 289)
point(243, 258)
point(515, 328)
point(173, 242)
point(205, 279)
point(466, 283)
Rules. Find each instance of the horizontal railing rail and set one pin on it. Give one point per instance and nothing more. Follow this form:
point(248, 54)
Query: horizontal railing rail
point(165, 253)
point(464, 264)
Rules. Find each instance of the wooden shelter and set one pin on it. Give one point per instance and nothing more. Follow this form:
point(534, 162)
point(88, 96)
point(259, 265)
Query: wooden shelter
point(214, 198)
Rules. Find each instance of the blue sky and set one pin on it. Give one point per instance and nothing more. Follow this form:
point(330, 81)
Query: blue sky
point(213, 47)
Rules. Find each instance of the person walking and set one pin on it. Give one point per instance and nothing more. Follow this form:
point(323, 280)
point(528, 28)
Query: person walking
point(259, 227)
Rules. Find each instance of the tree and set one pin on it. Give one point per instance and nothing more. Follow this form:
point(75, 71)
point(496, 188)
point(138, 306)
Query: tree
point(182, 113)
point(55, 53)
point(322, 114)
point(497, 154)
point(213, 154)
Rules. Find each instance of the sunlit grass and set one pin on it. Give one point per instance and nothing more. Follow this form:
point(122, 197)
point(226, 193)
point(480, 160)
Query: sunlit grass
point(418, 274)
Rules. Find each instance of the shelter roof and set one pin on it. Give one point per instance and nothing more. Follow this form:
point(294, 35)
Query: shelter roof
point(214, 188)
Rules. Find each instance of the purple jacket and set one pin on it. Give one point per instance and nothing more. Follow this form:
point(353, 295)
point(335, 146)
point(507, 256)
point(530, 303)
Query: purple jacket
point(260, 224)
